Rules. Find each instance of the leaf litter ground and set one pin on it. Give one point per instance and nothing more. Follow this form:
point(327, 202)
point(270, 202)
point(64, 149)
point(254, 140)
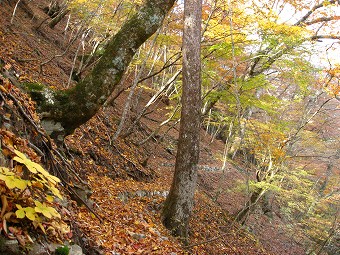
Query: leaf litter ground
point(127, 195)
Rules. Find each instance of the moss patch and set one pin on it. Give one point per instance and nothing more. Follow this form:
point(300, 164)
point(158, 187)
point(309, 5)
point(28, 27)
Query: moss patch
point(33, 86)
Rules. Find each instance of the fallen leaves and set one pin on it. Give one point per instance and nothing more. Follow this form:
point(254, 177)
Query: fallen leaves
point(133, 225)
point(129, 227)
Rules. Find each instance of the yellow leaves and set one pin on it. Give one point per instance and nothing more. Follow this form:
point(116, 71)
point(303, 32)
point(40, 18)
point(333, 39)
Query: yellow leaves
point(333, 87)
point(265, 139)
point(42, 177)
point(21, 192)
point(11, 180)
point(55, 192)
point(29, 212)
point(21, 158)
point(46, 210)
point(34, 167)
point(32, 213)
point(281, 29)
point(49, 198)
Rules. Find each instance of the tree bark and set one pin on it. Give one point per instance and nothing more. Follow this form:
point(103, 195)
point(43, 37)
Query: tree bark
point(66, 110)
point(242, 215)
point(179, 203)
point(58, 18)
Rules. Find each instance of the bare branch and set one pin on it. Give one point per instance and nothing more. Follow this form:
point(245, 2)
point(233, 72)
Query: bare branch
point(317, 37)
point(311, 11)
point(322, 19)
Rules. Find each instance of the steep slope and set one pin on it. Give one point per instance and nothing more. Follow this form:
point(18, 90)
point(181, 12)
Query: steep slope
point(129, 182)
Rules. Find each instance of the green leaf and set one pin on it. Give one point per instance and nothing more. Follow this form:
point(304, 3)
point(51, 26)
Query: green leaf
point(63, 250)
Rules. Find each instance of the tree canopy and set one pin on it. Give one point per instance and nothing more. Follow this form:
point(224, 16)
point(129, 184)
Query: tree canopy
point(269, 73)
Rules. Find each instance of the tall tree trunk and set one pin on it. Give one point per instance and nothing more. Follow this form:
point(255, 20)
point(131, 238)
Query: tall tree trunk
point(179, 203)
point(68, 109)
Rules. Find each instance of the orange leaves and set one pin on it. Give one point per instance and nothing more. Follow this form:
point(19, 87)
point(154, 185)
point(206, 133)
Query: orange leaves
point(130, 226)
point(334, 83)
point(266, 140)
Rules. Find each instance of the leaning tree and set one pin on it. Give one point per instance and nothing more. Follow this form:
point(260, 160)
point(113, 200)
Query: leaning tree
point(65, 110)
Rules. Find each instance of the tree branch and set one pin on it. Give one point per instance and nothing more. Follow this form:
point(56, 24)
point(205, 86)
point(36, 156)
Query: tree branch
point(311, 11)
point(322, 19)
point(317, 37)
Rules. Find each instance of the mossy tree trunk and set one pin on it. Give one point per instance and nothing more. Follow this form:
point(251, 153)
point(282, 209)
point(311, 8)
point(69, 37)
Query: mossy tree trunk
point(68, 109)
point(179, 203)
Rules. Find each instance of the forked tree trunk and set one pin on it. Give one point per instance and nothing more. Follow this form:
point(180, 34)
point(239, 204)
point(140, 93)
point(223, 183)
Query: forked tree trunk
point(179, 203)
point(68, 109)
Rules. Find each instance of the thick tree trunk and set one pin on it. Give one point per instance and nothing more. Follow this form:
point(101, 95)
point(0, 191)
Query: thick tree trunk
point(68, 109)
point(179, 203)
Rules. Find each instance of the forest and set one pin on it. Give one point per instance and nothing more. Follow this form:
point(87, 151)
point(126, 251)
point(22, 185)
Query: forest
point(205, 127)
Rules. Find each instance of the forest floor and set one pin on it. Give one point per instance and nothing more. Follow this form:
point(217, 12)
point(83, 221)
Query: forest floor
point(129, 182)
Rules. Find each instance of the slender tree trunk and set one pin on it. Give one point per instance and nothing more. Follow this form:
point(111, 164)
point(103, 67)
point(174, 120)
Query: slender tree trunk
point(179, 203)
point(68, 109)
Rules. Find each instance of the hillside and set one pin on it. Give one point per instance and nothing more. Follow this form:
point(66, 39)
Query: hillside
point(122, 181)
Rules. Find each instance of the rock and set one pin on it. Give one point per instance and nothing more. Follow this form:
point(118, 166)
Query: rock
point(138, 236)
point(141, 193)
point(3, 160)
point(7, 126)
point(124, 197)
point(76, 250)
point(46, 249)
point(9, 247)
